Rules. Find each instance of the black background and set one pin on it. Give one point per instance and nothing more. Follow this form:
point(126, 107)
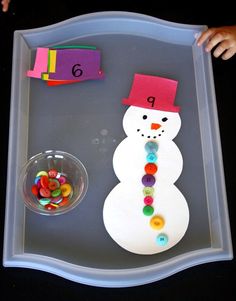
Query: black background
point(212, 281)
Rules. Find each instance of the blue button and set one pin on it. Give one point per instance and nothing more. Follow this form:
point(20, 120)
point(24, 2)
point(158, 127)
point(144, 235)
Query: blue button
point(151, 158)
point(162, 239)
point(151, 147)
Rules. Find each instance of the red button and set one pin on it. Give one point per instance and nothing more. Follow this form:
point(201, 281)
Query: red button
point(150, 168)
point(35, 190)
point(148, 200)
point(51, 206)
point(45, 192)
point(52, 173)
point(63, 202)
point(44, 181)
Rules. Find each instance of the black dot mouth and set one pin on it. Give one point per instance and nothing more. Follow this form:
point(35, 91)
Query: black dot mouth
point(149, 136)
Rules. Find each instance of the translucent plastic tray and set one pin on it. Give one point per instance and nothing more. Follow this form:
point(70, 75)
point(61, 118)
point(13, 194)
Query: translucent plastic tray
point(85, 119)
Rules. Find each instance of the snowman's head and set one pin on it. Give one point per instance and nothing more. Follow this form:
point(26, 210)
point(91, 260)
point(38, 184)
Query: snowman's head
point(151, 124)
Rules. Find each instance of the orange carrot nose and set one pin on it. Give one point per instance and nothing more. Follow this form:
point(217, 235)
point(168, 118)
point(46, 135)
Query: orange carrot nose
point(155, 126)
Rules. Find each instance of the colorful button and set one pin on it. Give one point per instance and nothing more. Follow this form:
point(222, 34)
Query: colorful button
point(56, 193)
point(151, 157)
point(151, 147)
point(148, 200)
point(44, 201)
point(148, 210)
point(53, 184)
point(41, 173)
point(45, 192)
point(148, 191)
point(62, 180)
point(150, 168)
point(148, 180)
point(157, 222)
point(57, 200)
point(36, 180)
point(162, 239)
point(66, 189)
point(52, 173)
point(35, 190)
point(39, 184)
point(63, 202)
point(51, 206)
point(44, 181)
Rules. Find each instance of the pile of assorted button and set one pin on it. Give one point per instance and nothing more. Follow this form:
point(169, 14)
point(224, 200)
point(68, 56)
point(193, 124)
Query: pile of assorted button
point(156, 222)
point(52, 189)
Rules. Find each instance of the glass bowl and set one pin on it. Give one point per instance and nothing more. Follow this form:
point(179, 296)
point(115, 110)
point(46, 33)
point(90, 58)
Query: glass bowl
point(53, 182)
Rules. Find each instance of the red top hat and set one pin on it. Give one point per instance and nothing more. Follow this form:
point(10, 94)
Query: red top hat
point(153, 92)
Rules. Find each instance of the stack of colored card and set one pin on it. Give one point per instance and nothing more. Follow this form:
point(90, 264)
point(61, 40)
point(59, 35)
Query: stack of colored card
point(67, 64)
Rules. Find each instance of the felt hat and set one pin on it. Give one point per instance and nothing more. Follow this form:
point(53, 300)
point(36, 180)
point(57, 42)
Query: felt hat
point(153, 92)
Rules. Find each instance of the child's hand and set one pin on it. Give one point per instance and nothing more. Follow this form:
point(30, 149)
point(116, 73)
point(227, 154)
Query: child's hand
point(223, 38)
point(5, 5)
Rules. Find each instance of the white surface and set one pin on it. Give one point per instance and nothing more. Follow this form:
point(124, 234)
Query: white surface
point(129, 227)
point(123, 208)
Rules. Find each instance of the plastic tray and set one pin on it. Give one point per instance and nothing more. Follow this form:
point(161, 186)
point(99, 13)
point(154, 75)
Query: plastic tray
point(85, 119)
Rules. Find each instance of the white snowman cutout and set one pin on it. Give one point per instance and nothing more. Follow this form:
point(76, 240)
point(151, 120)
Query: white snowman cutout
point(146, 213)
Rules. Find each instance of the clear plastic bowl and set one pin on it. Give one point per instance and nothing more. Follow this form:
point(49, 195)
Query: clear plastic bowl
point(61, 171)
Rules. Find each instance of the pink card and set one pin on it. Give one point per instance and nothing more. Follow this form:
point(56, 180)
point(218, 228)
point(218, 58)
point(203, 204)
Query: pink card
point(41, 63)
point(153, 92)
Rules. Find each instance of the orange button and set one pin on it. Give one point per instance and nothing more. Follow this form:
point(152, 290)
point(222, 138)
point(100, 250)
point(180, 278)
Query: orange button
point(157, 222)
point(53, 184)
point(150, 168)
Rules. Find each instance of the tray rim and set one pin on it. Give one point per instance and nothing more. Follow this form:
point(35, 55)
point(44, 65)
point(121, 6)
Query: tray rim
point(14, 256)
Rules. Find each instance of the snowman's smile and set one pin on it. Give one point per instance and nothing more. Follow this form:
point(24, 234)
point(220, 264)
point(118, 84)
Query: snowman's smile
point(150, 135)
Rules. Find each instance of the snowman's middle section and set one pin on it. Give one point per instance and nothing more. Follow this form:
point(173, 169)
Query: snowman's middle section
point(146, 213)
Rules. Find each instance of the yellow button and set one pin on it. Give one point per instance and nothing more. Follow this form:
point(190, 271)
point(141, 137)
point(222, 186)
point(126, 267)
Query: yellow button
point(41, 173)
point(66, 189)
point(157, 222)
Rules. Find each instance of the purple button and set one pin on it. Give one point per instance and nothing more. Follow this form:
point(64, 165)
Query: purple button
point(148, 180)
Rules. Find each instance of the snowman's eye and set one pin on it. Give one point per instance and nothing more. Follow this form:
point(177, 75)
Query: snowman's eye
point(144, 116)
point(164, 119)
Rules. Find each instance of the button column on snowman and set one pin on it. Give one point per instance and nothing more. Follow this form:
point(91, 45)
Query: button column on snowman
point(146, 213)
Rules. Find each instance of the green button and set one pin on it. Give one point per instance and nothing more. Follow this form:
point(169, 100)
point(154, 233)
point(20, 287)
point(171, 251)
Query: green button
point(148, 191)
point(56, 193)
point(148, 210)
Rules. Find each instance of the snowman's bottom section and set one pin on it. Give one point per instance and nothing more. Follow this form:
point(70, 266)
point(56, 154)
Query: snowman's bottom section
point(133, 230)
